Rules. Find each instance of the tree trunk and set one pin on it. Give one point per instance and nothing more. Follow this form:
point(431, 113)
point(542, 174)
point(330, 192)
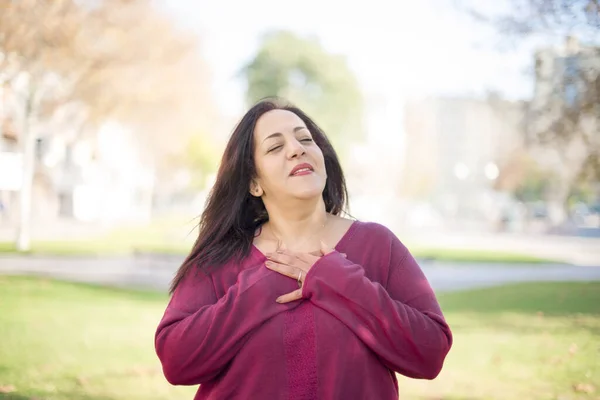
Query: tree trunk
point(23, 242)
point(559, 203)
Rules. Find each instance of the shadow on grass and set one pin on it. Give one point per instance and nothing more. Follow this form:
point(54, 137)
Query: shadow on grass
point(76, 387)
point(449, 398)
point(63, 395)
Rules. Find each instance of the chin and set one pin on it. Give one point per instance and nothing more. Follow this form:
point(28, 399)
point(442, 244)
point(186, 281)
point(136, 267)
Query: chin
point(308, 193)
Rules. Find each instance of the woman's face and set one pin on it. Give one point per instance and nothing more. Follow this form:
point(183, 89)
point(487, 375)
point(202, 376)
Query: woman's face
point(289, 164)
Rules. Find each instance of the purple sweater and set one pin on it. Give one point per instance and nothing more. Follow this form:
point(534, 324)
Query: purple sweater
point(362, 318)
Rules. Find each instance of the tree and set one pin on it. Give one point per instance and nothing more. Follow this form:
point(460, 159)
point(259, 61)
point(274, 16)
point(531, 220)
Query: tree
point(301, 71)
point(547, 19)
point(76, 64)
point(524, 178)
point(202, 158)
point(564, 116)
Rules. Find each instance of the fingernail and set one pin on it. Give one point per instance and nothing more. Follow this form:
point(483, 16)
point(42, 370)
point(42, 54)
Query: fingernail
point(278, 299)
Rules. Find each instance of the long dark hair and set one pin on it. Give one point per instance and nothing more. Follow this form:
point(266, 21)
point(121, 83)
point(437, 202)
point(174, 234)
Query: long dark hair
point(231, 215)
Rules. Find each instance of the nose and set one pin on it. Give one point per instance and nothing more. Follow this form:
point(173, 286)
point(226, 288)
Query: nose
point(296, 149)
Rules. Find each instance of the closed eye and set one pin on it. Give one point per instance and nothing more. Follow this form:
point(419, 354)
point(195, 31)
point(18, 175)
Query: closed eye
point(305, 140)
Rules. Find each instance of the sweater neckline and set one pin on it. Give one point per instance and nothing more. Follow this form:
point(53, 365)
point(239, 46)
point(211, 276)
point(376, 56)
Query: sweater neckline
point(339, 245)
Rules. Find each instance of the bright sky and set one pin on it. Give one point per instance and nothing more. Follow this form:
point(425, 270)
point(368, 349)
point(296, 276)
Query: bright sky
point(397, 49)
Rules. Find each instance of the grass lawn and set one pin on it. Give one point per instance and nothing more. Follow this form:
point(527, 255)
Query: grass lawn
point(70, 341)
point(477, 256)
point(524, 341)
point(63, 341)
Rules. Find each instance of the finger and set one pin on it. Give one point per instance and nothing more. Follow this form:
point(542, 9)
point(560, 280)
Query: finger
point(307, 258)
point(282, 257)
point(295, 259)
point(284, 269)
point(293, 296)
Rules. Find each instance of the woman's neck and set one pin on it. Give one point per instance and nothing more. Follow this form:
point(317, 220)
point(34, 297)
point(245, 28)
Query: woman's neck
point(297, 225)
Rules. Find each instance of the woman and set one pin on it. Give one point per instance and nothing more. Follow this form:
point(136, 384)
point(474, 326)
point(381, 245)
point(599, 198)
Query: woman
point(281, 297)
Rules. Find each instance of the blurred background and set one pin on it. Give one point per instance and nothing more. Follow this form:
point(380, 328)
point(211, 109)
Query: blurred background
point(471, 129)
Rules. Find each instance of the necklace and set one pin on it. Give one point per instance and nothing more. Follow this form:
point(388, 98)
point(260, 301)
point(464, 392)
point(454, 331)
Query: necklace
point(280, 242)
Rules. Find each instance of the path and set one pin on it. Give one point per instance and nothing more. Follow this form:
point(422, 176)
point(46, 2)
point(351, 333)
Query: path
point(156, 272)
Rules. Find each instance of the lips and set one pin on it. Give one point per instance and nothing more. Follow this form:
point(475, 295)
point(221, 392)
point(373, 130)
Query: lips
point(301, 168)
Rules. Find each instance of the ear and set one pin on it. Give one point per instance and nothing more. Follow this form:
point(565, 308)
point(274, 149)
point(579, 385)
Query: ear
point(255, 189)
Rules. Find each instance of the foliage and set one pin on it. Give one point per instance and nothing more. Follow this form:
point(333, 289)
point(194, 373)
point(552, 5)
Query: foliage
point(303, 72)
point(68, 66)
point(564, 116)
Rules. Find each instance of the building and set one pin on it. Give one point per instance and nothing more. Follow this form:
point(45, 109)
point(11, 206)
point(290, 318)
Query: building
point(103, 176)
point(565, 105)
point(455, 149)
point(562, 74)
point(9, 153)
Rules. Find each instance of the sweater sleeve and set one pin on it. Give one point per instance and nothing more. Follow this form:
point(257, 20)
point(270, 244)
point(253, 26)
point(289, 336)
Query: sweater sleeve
point(402, 323)
point(199, 333)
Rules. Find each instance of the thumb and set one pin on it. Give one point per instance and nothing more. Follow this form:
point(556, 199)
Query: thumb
point(325, 249)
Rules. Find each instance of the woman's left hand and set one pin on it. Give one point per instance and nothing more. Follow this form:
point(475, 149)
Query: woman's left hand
point(294, 265)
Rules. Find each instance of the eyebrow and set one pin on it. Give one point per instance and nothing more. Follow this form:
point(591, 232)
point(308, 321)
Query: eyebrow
point(276, 134)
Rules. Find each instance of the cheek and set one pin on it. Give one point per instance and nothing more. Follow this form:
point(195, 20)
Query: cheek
point(259, 169)
point(265, 170)
point(320, 158)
